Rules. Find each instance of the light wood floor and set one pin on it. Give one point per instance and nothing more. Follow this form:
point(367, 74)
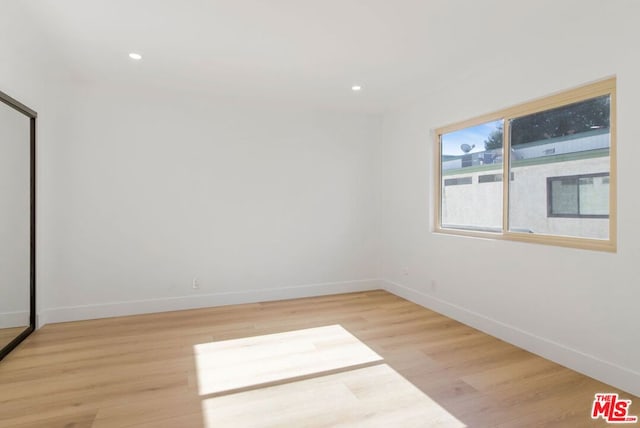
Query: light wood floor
point(8, 334)
point(362, 358)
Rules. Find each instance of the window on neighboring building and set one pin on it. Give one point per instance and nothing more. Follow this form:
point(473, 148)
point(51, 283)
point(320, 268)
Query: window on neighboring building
point(457, 181)
point(491, 178)
point(578, 196)
point(559, 153)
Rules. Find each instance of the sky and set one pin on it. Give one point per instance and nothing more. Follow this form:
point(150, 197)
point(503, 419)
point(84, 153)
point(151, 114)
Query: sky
point(474, 135)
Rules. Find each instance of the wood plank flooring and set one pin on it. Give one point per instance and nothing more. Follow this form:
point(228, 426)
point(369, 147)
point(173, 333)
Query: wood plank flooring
point(8, 334)
point(143, 371)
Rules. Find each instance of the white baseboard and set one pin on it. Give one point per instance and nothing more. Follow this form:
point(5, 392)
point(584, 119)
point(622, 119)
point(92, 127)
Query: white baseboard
point(137, 307)
point(14, 319)
point(604, 371)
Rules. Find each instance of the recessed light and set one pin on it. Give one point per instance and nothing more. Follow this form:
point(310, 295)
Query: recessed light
point(356, 88)
point(135, 56)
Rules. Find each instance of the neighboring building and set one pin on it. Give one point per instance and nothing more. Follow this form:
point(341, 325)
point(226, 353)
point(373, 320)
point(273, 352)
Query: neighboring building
point(557, 186)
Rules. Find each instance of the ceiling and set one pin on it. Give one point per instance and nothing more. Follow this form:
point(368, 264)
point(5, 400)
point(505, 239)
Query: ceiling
point(290, 50)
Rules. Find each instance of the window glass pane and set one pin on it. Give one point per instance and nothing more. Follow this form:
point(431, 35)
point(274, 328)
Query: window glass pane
point(467, 201)
point(564, 196)
point(594, 196)
point(560, 157)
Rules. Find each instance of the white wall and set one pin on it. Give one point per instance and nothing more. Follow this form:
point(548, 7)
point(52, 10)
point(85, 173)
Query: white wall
point(150, 189)
point(141, 190)
point(577, 307)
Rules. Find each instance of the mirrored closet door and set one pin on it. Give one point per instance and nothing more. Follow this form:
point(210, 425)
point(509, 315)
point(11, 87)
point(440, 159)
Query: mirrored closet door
point(17, 223)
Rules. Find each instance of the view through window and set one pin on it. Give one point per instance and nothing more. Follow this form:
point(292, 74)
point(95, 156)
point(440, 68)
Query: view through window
point(557, 153)
point(467, 162)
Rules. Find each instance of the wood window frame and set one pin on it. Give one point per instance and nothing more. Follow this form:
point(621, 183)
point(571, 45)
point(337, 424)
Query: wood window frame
point(561, 99)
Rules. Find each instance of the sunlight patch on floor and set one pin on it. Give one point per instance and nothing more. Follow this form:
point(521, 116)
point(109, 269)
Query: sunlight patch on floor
point(241, 363)
point(374, 396)
point(313, 377)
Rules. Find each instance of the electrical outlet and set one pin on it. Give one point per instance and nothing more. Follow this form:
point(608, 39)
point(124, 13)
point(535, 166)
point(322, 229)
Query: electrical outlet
point(195, 284)
point(434, 285)
point(404, 271)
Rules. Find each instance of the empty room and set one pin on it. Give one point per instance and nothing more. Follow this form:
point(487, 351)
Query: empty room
point(297, 213)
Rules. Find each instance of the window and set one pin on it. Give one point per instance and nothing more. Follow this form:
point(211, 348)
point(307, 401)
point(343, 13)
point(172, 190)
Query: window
point(491, 178)
point(457, 181)
point(578, 196)
point(463, 158)
point(559, 155)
